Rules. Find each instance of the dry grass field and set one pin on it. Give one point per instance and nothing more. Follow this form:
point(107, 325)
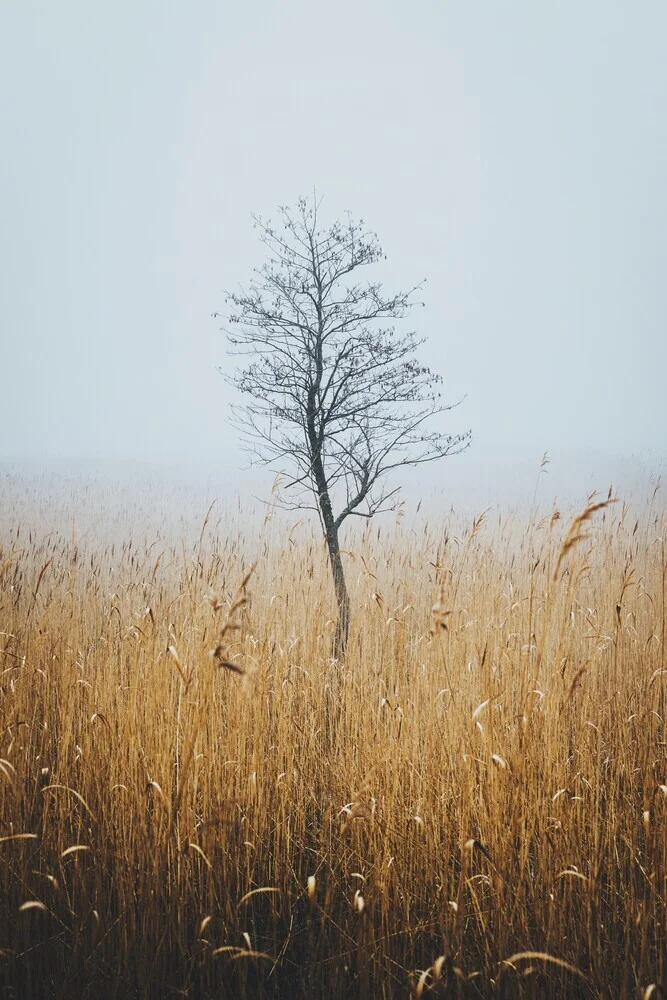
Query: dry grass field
point(196, 801)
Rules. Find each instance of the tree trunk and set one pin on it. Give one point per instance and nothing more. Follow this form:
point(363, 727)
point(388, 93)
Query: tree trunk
point(342, 596)
point(330, 526)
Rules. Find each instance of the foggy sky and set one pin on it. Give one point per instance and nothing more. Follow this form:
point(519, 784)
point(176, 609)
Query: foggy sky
point(513, 154)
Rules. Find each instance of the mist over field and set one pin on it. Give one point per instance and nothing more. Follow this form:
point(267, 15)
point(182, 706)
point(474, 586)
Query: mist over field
point(465, 485)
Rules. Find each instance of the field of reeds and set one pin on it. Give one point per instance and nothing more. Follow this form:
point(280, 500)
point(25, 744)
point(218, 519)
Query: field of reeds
point(197, 801)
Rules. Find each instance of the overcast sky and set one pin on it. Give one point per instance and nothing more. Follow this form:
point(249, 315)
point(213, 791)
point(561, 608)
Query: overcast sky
point(514, 154)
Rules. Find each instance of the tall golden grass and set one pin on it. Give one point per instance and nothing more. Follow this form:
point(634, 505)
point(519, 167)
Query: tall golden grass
point(197, 801)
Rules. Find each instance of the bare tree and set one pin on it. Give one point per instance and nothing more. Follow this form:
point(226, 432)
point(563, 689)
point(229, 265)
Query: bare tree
point(332, 391)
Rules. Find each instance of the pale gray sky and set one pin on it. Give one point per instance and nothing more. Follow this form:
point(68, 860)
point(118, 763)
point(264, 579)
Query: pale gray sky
point(513, 153)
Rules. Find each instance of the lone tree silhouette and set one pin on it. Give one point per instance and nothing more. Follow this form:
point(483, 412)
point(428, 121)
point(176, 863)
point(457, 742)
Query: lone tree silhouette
point(332, 392)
